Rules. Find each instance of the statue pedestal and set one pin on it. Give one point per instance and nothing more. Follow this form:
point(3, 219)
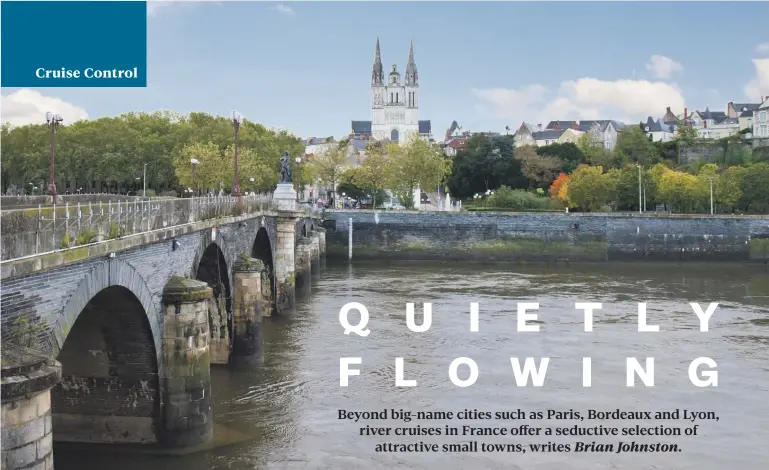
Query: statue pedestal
point(285, 196)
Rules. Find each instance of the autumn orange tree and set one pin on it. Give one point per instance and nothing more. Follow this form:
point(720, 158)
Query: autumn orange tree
point(559, 189)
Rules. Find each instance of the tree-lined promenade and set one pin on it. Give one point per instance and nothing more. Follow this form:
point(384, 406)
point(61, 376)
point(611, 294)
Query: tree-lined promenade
point(638, 174)
point(109, 154)
point(195, 153)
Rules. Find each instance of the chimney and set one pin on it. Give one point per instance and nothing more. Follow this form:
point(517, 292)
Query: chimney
point(556, 125)
point(705, 122)
point(575, 126)
point(668, 109)
point(539, 127)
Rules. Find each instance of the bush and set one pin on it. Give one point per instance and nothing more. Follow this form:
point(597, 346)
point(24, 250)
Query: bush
point(65, 241)
point(152, 193)
point(84, 238)
point(516, 200)
point(114, 231)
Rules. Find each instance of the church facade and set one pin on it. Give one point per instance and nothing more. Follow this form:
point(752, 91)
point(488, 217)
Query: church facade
point(394, 104)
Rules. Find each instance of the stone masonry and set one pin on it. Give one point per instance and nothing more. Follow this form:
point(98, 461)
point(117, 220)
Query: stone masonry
point(247, 310)
point(187, 414)
point(26, 412)
point(283, 259)
point(534, 237)
point(315, 253)
point(303, 266)
point(168, 347)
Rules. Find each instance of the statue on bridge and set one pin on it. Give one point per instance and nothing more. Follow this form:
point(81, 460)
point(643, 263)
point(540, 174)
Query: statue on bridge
point(285, 168)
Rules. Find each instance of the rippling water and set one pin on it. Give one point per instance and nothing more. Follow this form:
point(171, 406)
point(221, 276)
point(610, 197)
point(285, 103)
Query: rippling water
point(283, 413)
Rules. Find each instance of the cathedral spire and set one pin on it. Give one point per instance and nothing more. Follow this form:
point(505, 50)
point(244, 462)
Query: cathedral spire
point(412, 78)
point(377, 74)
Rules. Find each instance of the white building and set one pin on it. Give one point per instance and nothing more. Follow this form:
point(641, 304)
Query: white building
point(761, 120)
point(394, 104)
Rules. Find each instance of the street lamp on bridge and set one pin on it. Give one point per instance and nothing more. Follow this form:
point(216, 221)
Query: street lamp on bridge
point(193, 163)
point(237, 119)
point(53, 121)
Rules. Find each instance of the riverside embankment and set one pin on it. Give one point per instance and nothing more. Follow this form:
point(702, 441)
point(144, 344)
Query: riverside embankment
point(545, 237)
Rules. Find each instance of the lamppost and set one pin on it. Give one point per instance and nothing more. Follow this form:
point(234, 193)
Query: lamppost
point(53, 121)
point(236, 120)
point(640, 200)
point(193, 163)
point(252, 184)
point(298, 160)
point(144, 181)
point(710, 179)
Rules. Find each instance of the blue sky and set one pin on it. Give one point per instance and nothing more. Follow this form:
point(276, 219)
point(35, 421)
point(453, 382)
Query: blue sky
point(307, 66)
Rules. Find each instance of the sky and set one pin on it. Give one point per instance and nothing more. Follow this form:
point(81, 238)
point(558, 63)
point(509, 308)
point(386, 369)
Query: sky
point(306, 66)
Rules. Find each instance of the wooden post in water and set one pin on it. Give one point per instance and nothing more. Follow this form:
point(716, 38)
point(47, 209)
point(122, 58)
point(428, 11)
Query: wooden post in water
point(349, 238)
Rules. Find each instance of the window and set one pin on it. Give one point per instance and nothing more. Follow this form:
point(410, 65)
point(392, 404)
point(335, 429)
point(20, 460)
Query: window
point(762, 130)
point(391, 98)
point(396, 98)
point(763, 116)
point(606, 144)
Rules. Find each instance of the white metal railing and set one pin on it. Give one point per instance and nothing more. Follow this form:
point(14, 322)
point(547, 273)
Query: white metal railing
point(54, 228)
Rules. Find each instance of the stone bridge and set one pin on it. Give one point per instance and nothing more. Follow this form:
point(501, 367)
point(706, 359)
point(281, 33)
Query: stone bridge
point(112, 342)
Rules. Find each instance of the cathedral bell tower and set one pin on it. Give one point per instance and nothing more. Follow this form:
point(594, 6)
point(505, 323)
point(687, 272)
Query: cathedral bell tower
point(377, 80)
point(412, 81)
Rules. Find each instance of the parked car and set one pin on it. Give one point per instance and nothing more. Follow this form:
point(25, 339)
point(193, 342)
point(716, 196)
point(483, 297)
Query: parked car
point(390, 205)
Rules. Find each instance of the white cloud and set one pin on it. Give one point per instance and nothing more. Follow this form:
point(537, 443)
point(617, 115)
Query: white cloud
point(759, 86)
point(585, 98)
point(285, 9)
point(663, 67)
point(763, 48)
point(154, 5)
point(29, 107)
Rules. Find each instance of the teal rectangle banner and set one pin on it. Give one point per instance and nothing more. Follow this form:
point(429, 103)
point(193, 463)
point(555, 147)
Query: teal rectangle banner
point(73, 44)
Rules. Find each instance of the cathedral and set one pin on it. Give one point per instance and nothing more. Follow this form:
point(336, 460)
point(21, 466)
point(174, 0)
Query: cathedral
point(394, 104)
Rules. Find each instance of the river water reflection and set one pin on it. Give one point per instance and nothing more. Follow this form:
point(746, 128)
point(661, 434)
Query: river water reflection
point(284, 413)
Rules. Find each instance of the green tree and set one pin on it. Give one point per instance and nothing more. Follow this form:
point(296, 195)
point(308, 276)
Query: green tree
point(755, 189)
point(568, 154)
point(729, 186)
point(486, 163)
point(686, 135)
point(417, 164)
point(347, 185)
point(540, 170)
point(634, 146)
point(376, 172)
point(329, 164)
point(589, 187)
point(681, 191)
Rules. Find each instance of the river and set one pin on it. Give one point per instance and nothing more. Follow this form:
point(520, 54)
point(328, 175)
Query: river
point(284, 412)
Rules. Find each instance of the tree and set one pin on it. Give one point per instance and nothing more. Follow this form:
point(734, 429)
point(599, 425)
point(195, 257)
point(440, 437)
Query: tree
point(686, 135)
point(347, 185)
point(329, 165)
point(634, 146)
point(540, 170)
point(416, 164)
point(589, 188)
point(559, 189)
point(682, 191)
point(110, 153)
point(729, 186)
point(592, 149)
point(755, 188)
point(568, 154)
point(486, 163)
point(376, 172)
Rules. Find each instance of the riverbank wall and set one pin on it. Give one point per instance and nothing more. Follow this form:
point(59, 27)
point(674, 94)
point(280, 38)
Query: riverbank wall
point(545, 237)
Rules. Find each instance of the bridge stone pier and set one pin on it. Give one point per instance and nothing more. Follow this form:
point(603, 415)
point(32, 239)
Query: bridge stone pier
point(113, 341)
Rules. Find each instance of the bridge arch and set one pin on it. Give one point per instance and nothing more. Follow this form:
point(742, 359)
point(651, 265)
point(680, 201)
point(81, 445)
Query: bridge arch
point(113, 272)
point(109, 391)
point(213, 269)
point(262, 249)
